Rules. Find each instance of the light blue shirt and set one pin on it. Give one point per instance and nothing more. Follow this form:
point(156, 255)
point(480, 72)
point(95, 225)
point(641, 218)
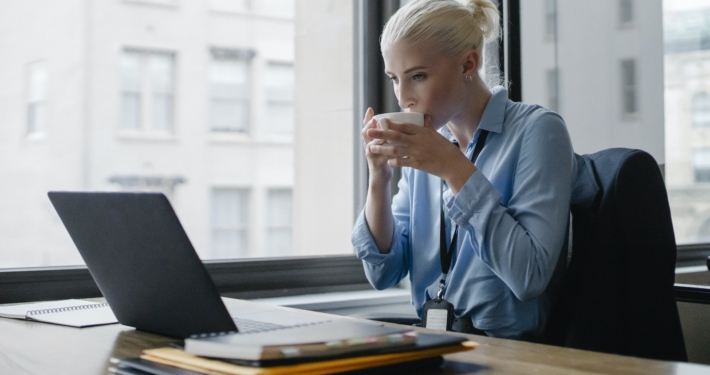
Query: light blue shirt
point(512, 215)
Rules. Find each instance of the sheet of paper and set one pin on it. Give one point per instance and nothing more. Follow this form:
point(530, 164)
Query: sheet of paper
point(80, 317)
point(436, 319)
point(20, 311)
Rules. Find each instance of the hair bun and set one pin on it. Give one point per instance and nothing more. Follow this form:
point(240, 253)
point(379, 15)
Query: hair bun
point(486, 15)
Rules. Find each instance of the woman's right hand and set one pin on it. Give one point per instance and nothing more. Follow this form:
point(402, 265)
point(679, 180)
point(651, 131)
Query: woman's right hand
point(377, 163)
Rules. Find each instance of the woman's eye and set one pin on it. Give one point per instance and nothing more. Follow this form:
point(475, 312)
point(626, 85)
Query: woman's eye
point(393, 79)
point(418, 77)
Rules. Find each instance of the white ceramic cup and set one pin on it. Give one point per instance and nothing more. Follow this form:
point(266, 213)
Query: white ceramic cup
point(406, 117)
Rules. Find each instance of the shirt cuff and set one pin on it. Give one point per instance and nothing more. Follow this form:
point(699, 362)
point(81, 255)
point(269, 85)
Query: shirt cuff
point(365, 247)
point(476, 196)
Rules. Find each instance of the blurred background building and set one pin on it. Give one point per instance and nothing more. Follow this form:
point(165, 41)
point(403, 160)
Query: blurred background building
point(194, 99)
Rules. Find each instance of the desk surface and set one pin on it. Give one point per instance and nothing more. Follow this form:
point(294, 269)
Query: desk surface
point(38, 348)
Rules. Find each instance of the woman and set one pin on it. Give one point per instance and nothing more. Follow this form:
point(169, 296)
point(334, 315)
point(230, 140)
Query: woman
point(505, 217)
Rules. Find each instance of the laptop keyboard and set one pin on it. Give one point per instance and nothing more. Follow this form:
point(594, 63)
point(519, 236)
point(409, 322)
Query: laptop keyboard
point(246, 325)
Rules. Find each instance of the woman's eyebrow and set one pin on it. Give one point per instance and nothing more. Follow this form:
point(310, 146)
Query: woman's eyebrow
point(408, 70)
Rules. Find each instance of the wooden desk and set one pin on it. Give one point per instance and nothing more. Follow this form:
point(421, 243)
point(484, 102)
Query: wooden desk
point(40, 348)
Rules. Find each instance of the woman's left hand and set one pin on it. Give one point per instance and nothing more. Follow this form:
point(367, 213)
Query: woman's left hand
point(423, 148)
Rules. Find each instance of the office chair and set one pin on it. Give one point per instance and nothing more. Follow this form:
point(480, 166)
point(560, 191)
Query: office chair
point(617, 294)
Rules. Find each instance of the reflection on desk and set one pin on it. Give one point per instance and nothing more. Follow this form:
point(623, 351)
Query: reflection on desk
point(36, 348)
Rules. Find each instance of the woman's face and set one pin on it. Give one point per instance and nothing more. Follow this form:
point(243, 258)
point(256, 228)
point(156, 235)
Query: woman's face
point(425, 81)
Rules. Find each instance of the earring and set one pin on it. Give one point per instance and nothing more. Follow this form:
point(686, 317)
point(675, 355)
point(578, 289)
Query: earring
point(469, 78)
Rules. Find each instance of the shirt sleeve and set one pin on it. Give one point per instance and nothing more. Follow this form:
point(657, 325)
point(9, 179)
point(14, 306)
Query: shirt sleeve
point(386, 270)
point(521, 243)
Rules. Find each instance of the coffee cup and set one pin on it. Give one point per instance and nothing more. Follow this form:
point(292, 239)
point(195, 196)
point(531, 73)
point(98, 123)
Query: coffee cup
point(405, 117)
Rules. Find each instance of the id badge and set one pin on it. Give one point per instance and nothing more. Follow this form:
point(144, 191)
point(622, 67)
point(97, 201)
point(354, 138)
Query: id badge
point(438, 314)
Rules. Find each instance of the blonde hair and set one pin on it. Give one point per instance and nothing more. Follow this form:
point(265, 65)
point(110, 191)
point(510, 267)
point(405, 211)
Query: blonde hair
point(453, 27)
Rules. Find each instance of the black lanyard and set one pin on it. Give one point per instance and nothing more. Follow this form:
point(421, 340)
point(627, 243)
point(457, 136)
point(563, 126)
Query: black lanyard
point(447, 255)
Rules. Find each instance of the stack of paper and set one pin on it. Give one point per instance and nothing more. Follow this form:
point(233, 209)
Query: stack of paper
point(309, 341)
point(160, 361)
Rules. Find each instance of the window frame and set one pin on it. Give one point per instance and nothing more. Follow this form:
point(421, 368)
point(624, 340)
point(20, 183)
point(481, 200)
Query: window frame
point(268, 226)
point(275, 277)
point(147, 93)
point(267, 128)
point(244, 194)
point(246, 56)
point(256, 277)
point(623, 22)
point(31, 127)
point(628, 77)
point(696, 107)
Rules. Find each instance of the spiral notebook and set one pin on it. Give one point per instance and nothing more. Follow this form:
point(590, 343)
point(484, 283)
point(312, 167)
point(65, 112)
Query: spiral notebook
point(72, 312)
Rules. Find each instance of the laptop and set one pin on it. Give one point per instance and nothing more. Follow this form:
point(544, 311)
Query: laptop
point(145, 266)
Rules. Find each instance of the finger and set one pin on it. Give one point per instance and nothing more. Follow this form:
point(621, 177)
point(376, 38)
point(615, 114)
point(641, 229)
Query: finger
point(368, 116)
point(427, 122)
point(388, 135)
point(389, 149)
point(374, 142)
point(369, 125)
point(400, 162)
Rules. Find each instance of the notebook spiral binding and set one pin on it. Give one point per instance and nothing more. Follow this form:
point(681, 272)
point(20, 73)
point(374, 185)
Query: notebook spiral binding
point(64, 309)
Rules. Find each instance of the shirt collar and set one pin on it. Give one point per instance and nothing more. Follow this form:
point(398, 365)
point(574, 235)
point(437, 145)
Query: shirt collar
point(493, 114)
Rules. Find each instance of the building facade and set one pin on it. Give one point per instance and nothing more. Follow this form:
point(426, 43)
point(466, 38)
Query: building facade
point(194, 99)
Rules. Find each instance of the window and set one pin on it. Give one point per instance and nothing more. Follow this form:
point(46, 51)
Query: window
point(628, 87)
point(158, 184)
point(626, 11)
point(279, 86)
point(704, 232)
point(700, 110)
point(551, 19)
point(635, 88)
point(147, 91)
point(191, 102)
point(701, 165)
point(231, 5)
point(279, 219)
point(277, 8)
point(552, 90)
point(155, 2)
point(229, 218)
point(230, 91)
point(36, 97)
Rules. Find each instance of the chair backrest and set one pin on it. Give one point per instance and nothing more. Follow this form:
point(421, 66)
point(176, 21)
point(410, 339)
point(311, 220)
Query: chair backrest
point(617, 294)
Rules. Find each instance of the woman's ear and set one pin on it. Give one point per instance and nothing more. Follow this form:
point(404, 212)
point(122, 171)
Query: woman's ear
point(471, 62)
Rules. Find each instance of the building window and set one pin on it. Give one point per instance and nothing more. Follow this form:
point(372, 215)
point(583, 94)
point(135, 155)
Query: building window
point(231, 5)
point(704, 232)
point(551, 19)
point(279, 82)
point(277, 8)
point(279, 222)
point(154, 2)
point(147, 91)
point(229, 90)
point(701, 165)
point(154, 183)
point(229, 217)
point(700, 110)
point(553, 88)
point(629, 98)
point(36, 97)
point(626, 11)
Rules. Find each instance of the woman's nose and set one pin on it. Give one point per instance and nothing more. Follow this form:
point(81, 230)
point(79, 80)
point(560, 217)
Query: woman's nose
point(405, 98)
